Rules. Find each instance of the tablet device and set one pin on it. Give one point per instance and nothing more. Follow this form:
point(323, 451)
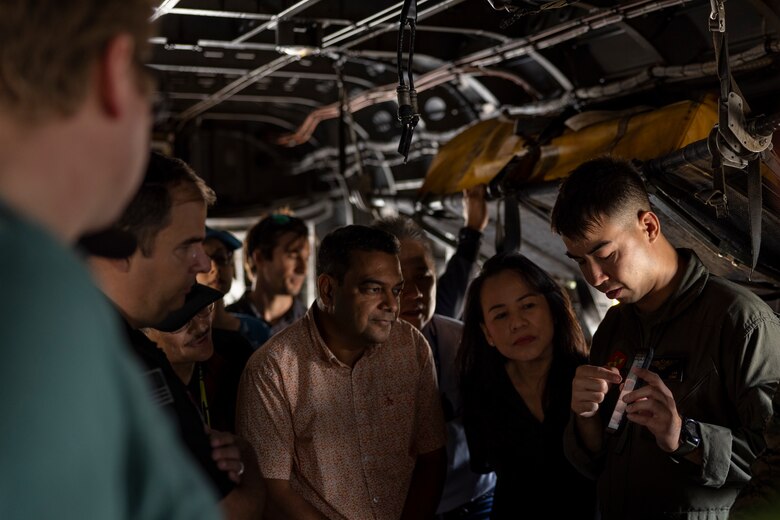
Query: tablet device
point(642, 359)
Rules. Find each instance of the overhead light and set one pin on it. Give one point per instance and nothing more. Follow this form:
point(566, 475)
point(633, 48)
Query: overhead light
point(296, 38)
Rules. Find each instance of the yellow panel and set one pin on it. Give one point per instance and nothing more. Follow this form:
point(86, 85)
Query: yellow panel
point(479, 153)
point(473, 157)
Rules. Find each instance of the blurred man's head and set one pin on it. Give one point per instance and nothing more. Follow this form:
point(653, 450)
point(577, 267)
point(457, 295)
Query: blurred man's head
point(72, 83)
point(359, 282)
point(418, 299)
point(277, 254)
point(50, 50)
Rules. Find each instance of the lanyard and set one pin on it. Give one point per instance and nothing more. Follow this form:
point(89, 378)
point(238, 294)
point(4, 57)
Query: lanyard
point(204, 401)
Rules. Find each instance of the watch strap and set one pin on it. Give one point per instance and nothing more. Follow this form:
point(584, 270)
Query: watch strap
point(690, 439)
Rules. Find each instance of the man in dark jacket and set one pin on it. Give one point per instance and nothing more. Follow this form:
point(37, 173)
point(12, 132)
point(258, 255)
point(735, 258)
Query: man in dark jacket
point(167, 218)
point(697, 424)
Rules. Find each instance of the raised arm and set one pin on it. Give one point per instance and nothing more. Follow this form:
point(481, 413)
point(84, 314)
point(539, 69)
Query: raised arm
point(452, 285)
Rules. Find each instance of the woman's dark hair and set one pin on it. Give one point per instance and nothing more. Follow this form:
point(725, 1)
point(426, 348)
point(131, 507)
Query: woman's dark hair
point(479, 362)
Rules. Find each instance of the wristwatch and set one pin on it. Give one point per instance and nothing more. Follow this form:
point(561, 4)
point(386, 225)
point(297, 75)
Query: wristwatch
point(690, 439)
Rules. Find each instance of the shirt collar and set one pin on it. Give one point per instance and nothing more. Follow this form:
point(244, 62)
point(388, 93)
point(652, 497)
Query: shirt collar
point(322, 348)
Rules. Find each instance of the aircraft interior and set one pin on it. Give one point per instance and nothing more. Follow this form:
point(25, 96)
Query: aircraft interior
point(282, 104)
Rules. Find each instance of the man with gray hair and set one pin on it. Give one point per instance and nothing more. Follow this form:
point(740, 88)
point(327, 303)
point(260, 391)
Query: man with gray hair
point(467, 495)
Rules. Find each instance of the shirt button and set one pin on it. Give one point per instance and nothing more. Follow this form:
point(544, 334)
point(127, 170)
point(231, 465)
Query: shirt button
point(376, 500)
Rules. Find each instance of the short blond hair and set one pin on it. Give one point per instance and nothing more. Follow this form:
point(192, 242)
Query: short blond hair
point(49, 47)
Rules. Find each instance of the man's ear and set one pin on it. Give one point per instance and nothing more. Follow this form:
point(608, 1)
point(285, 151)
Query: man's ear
point(256, 259)
point(116, 75)
point(326, 286)
point(650, 224)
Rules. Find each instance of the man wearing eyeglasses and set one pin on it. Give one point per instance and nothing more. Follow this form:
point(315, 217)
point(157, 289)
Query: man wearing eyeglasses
point(167, 219)
point(277, 255)
point(211, 370)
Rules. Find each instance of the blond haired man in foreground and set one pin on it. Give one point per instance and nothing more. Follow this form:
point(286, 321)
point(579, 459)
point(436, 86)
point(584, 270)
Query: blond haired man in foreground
point(81, 438)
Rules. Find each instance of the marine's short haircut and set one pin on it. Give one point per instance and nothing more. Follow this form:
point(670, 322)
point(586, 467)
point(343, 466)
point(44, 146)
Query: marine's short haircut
point(49, 47)
point(601, 188)
point(265, 235)
point(405, 228)
point(336, 249)
point(150, 210)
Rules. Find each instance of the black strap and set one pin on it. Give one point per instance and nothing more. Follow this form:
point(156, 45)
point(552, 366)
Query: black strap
point(718, 198)
point(755, 209)
point(408, 112)
point(509, 232)
point(719, 168)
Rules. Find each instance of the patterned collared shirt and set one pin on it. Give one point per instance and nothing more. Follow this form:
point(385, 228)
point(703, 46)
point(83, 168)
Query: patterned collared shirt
point(346, 438)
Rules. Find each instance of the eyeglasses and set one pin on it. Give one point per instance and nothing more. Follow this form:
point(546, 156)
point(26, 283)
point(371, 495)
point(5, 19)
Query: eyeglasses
point(222, 260)
point(202, 314)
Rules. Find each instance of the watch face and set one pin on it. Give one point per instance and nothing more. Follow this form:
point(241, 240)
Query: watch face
point(689, 439)
point(690, 432)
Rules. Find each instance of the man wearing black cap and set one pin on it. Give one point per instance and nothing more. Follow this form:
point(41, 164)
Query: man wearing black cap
point(167, 218)
point(277, 255)
point(80, 436)
point(209, 367)
point(219, 246)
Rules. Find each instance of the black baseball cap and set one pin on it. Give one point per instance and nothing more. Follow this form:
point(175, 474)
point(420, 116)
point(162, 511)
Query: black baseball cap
point(199, 297)
point(227, 238)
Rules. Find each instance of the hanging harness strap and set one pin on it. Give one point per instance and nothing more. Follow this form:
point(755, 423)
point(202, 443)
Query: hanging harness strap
point(732, 144)
point(717, 198)
point(755, 209)
point(509, 231)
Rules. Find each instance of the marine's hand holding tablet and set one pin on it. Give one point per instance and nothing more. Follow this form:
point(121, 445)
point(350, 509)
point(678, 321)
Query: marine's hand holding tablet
point(642, 359)
point(653, 407)
point(590, 386)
